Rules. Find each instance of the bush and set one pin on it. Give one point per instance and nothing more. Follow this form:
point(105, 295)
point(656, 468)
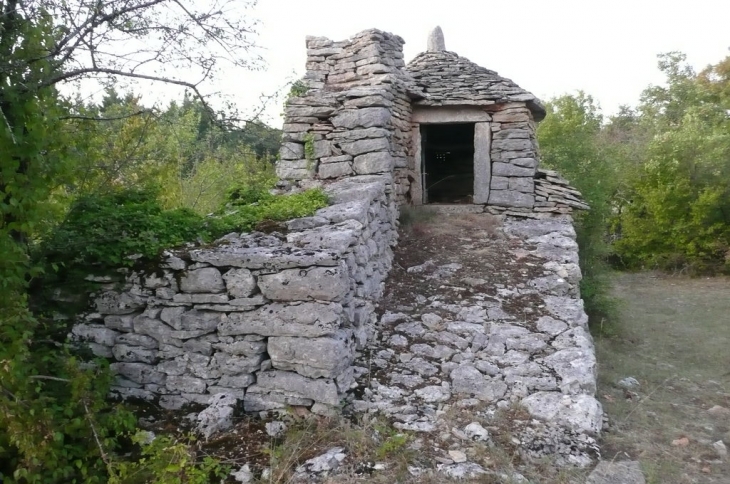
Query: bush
point(102, 231)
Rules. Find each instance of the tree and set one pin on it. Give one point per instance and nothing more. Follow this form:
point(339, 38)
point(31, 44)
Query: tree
point(54, 421)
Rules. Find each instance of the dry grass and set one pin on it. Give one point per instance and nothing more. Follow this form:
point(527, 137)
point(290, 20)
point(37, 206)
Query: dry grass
point(674, 337)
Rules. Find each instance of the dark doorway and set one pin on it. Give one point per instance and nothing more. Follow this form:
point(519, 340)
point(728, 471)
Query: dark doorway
point(448, 163)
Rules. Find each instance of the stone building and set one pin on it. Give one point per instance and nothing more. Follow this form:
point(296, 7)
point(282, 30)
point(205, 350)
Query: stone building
point(447, 130)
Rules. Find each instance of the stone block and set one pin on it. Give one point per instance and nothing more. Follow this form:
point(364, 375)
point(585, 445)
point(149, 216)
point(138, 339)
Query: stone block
point(111, 302)
point(307, 319)
point(313, 357)
point(185, 384)
point(362, 118)
point(270, 258)
point(319, 390)
point(377, 162)
point(511, 198)
point(314, 283)
point(335, 170)
point(291, 151)
point(513, 144)
point(500, 183)
point(336, 237)
point(366, 145)
point(195, 320)
point(581, 413)
point(241, 347)
point(507, 169)
point(239, 282)
point(522, 184)
point(123, 352)
point(139, 372)
point(207, 280)
point(94, 333)
point(236, 365)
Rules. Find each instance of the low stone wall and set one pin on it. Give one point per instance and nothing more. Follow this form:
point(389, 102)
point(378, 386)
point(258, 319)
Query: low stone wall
point(273, 319)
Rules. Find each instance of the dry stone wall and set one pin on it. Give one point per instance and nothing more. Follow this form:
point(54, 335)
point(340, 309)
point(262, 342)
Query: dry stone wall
point(354, 118)
point(273, 319)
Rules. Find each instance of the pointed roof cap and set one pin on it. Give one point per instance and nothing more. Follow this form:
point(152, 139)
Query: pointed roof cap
point(448, 79)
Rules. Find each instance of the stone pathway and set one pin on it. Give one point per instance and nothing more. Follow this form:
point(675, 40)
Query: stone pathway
point(482, 319)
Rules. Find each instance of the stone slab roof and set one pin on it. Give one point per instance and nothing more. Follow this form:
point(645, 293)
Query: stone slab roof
point(448, 79)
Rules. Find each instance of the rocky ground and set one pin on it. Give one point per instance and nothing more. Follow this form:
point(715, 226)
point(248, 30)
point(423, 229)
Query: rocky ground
point(480, 369)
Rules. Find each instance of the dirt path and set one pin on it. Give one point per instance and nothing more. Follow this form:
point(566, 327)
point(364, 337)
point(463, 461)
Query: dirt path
point(674, 338)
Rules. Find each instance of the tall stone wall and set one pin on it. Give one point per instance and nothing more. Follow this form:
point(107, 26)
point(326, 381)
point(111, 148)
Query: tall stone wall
point(273, 319)
point(515, 159)
point(354, 118)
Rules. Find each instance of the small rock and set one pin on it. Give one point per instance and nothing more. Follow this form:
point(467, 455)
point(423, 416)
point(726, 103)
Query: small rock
point(626, 472)
point(218, 416)
point(464, 470)
point(457, 456)
point(476, 432)
point(326, 462)
point(720, 448)
point(682, 442)
point(629, 382)
point(718, 411)
point(244, 474)
point(275, 428)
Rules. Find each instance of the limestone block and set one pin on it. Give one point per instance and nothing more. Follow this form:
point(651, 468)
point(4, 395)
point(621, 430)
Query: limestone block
point(313, 357)
point(123, 352)
point(377, 162)
point(322, 283)
point(582, 413)
point(241, 347)
point(139, 372)
point(322, 148)
point(500, 183)
point(366, 145)
point(512, 144)
point(307, 319)
point(239, 282)
point(198, 346)
point(335, 170)
point(468, 380)
point(512, 116)
point(308, 111)
point(511, 198)
point(237, 381)
point(304, 223)
point(259, 399)
point(116, 303)
point(320, 390)
point(120, 322)
point(265, 257)
point(185, 384)
point(236, 365)
point(362, 118)
point(524, 162)
point(522, 184)
point(576, 369)
point(354, 210)
point(291, 151)
point(195, 320)
point(94, 333)
point(336, 237)
point(507, 169)
point(200, 298)
point(207, 280)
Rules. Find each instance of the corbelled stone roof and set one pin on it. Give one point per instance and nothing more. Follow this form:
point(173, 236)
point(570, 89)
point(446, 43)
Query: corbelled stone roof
point(448, 79)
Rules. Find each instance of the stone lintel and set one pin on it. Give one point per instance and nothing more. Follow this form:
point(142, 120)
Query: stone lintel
point(445, 115)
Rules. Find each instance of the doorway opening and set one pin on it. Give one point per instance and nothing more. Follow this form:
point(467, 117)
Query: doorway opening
point(448, 162)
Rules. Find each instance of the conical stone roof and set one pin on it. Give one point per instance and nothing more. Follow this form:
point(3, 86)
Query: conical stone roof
point(448, 79)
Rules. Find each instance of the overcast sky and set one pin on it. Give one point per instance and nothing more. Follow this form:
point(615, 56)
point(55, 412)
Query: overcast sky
point(549, 47)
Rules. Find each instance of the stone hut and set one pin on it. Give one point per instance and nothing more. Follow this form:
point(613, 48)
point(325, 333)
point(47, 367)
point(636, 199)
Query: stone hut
point(447, 130)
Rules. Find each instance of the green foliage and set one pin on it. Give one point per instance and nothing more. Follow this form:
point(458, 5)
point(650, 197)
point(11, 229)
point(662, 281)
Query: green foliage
point(166, 460)
point(244, 214)
point(678, 212)
point(101, 231)
point(54, 416)
point(569, 142)
point(309, 147)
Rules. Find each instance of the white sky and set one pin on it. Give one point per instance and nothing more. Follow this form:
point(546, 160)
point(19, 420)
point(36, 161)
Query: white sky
point(549, 47)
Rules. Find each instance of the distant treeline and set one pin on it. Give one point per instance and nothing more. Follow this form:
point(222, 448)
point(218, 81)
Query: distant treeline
point(656, 175)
